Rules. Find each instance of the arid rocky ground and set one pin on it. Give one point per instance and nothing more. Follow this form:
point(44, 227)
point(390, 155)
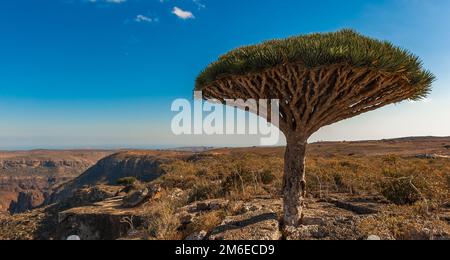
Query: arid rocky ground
point(393, 189)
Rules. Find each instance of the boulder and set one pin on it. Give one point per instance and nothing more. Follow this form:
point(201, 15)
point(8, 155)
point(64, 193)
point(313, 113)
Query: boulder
point(204, 206)
point(136, 198)
point(373, 238)
point(141, 196)
point(197, 236)
point(88, 195)
point(210, 205)
point(426, 156)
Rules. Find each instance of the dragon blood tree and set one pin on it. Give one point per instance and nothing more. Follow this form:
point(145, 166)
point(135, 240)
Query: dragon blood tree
point(319, 79)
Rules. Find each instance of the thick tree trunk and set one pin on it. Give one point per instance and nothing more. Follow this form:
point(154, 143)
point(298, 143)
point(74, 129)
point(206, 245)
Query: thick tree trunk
point(294, 183)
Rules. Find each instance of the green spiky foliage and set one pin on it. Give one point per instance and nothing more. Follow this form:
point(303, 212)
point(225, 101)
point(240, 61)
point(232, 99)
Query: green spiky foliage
point(321, 49)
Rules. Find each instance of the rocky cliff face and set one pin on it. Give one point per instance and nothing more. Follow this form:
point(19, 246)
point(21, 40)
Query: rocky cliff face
point(26, 178)
point(22, 164)
point(15, 187)
point(27, 200)
point(144, 166)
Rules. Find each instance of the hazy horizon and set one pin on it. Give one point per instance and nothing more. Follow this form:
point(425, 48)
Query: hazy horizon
point(78, 73)
point(175, 147)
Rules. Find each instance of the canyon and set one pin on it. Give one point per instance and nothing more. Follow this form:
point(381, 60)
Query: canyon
point(27, 178)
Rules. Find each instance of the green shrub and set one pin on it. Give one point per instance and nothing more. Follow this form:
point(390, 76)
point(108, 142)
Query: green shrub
point(339, 182)
point(237, 180)
point(400, 191)
point(126, 181)
point(202, 192)
point(202, 173)
point(267, 177)
point(345, 164)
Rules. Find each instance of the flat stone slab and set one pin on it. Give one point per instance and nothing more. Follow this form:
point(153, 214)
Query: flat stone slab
point(258, 225)
point(361, 206)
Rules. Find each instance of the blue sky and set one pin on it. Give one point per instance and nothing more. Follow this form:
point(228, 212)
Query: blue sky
point(86, 73)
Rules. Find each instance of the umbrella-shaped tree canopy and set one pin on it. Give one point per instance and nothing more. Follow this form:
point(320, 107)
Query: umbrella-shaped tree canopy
point(342, 72)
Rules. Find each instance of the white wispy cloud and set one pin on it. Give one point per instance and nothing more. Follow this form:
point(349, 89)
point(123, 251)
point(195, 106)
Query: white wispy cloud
point(182, 14)
point(199, 4)
point(142, 18)
point(177, 11)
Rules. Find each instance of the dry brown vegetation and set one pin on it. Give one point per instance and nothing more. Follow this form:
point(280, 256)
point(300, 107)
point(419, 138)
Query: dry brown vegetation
point(417, 190)
point(401, 180)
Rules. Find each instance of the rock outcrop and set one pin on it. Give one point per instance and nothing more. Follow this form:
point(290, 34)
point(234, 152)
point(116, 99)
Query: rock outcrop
point(144, 166)
point(22, 163)
point(112, 217)
point(12, 186)
point(89, 195)
point(105, 220)
point(141, 196)
point(27, 200)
